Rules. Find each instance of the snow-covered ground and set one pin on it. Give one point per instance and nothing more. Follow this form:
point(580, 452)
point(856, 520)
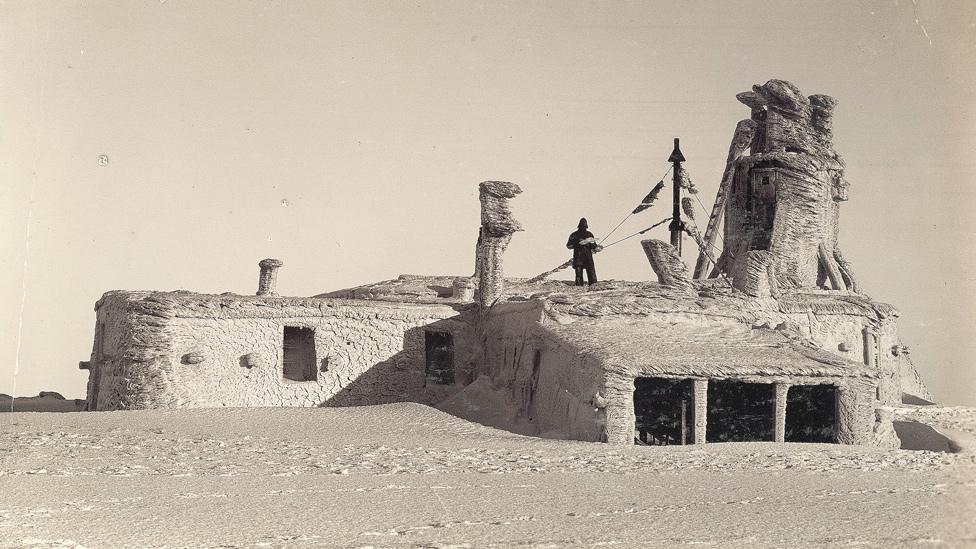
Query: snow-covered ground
point(406, 475)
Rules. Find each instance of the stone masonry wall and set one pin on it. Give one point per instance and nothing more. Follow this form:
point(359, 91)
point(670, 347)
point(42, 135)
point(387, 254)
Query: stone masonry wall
point(365, 353)
point(844, 335)
point(129, 365)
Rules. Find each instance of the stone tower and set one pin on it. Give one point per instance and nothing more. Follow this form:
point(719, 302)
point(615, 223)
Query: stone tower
point(781, 218)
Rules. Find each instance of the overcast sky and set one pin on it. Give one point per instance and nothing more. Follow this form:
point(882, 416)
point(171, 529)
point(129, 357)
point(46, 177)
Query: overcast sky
point(348, 140)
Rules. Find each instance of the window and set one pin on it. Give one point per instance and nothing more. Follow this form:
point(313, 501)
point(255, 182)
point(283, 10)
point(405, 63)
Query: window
point(763, 207)
point(440, 358)
point(664, 411)
point(298, 356)
point(740, 411)
point(811, 414)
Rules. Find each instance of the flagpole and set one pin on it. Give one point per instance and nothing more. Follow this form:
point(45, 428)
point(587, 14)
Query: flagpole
point(677, 226)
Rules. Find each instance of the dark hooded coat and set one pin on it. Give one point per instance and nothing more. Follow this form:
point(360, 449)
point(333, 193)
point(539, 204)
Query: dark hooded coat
point(582, 253)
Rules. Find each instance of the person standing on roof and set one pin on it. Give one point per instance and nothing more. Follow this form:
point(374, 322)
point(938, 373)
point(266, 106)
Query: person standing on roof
point(583, 245)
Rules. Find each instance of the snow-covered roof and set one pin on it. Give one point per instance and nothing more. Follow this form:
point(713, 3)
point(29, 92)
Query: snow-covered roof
point(701, 347)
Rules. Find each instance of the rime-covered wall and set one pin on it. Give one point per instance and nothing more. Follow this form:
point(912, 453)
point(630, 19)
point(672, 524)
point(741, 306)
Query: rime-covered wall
point(856, 419)
point(620, 368)
point(216, 351)
point(554, 385)
point(130, 366)
point(568, 397)
point(107, 368)
point(570, 391)
point(566, 364)
point(783, 197)
point(844, 335)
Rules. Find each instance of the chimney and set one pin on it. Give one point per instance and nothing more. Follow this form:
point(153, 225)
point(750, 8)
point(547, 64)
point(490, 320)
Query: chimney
point(497, 228)
point(463, 289)
point(269, 275)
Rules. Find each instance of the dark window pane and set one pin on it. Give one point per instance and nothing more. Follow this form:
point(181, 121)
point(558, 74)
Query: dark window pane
point(657, 407)
point(440, 358)
point(740, 412)
point(298, 356)
point(811, 413)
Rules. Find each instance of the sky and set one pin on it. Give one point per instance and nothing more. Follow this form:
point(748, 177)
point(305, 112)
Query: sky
point(167, 145)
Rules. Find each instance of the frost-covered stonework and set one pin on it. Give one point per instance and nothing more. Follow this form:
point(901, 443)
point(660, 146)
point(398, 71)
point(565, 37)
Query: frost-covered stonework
point(778, 344)
point(176, 349)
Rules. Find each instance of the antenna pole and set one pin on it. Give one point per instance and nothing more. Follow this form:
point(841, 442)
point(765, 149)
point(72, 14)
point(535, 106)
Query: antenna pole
point(677, 226)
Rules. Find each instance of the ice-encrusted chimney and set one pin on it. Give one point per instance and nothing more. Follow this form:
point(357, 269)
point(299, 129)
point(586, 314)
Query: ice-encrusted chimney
point(268, 277)
point(497, 228)
point(463, 289)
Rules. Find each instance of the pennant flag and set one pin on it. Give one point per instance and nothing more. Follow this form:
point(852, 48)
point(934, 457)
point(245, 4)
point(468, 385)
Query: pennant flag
point(684, 180)
point(648, 200)
point(688, 207)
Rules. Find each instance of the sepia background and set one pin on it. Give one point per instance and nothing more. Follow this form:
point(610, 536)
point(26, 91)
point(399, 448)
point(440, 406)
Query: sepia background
point(348, 139)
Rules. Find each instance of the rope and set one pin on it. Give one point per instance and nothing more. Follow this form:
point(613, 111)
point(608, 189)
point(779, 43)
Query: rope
point(697, 230)
point(696, 236)
point(546, 274)
point(631, 213)
point(637, 233)
point(702, 245)
point(540, 277)
point(705, 210)
point(698, 240)
point(615, 228)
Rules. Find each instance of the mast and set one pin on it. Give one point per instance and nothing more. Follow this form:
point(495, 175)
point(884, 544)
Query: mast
point(677, 226)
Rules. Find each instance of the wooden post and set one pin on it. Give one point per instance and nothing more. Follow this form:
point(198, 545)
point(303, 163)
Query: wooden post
point(684, 421)
point(779, 412)
point(870, 347)
point(699, 402)
point(677, 226)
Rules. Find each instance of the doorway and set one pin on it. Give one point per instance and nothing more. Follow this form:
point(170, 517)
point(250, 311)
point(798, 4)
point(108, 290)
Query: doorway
point(298, 354)
point(439, 349)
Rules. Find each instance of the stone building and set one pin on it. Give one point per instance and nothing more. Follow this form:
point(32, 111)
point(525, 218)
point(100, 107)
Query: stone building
point(773, 342)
